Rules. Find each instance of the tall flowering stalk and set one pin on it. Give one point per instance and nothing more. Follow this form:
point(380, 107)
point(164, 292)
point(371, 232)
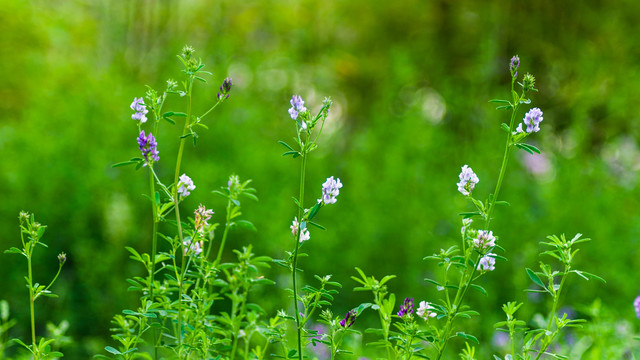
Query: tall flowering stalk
point(306, 139)
point(183, 249)
point(478, 245)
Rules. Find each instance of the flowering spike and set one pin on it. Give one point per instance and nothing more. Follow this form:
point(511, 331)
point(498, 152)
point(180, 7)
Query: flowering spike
point(185, 185)
point(330, 190)
point(202, 215)
point(636, 305)
point(484, 240)
point(349, 319)
point(514, 65)
point(468, 180)
point(532, 119)
point(487, 263)
point(406, 308)
point(140, 110)
point(147, 145)
point(297, 106)
point(225, 89)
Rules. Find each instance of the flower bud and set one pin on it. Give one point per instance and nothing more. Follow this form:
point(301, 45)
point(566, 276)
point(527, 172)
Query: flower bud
point(62, 257)
point(529, 82)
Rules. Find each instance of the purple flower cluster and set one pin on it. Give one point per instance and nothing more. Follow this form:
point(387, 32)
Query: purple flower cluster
point(185, 185)
point(636, 305)
point(140, 110)
point(330, 190)
point(297, 106)
point(487, 263)
point(406, 307)
point(532, 119)
point(514, 65)
point(468, 180)
point(484, 240)
point(349, 319)
point(147, 145)
point(225, 88)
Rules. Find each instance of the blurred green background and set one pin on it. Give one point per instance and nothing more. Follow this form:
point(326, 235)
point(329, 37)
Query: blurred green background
point(410, 82)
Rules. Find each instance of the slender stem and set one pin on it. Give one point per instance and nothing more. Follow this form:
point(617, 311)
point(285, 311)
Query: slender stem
point(295, 252)
point(224, 235)
point(154, 236)
point(177, 207)
point(31, 307)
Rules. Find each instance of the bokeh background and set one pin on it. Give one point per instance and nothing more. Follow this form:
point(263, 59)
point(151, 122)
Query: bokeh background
point(410, 82)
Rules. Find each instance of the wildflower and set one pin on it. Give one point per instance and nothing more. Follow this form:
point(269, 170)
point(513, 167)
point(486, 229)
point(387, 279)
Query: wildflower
point(147, 145)
point(330, 189)
point(532, 119)
point(349, 319)
point(425, 310)
point(297, 106)
point(225, 88)
point(406, 307)
point(191, 246)
point(202, 215)
point(62, 257)
point(636, 305)
point(468, 180)
point(305, 235)
point(487, 263)
point(484, 240)
point(518, 129)
point(185, 185)
point(513, 66)
point(140, 110)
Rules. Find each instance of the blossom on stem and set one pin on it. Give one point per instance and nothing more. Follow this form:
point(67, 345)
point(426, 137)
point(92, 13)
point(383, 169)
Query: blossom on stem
point(406, 307)
point(140, 110)
point(513, 66)
point(147, 145)
point(484, 240)
point(487, 263)
point(185, 185)
point(468, 180)
point(225, 89)
point(202, 215)
point(349, 319)
point(193, 247)
point(297, 106)
point(532, 119)
point(330, 190)
point(305, 235)
point(636, 305)
point(425, 310)
point(62, 257)
point(465, 225)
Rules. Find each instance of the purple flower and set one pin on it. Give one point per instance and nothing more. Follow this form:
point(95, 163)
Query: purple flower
point(147, 145)
point(297, 106)
point(425, 310)
point(484, 240)
point(305, 235)
point(532, 119)
point(636, 305)
point(140, 110)
point(225, 88)
point(185, 185)
point(330, 190)
point(468, 180)
point(406, 307)
point(513, 66)
point(487, 263)
point(349, 319)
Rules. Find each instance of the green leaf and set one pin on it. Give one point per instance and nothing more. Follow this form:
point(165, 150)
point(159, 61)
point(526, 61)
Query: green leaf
point(112, 350)
point(479, 288)
point(528, 148)
point(317, 225)
point(124, 163)
point(499, 101)
point(169, 120)
point(246, 224)
point(535, 278)
point(286, 145)
point(13, 250)
point(505, 127)
point(468, 337)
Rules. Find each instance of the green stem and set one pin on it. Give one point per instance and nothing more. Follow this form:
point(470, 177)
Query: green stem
point(224, 235)
point(31, 308)
point(295, 252)
point(154, 240)
point(177, 208)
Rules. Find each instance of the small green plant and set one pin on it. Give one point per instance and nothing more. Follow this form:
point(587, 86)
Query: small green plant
point(31, 233)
